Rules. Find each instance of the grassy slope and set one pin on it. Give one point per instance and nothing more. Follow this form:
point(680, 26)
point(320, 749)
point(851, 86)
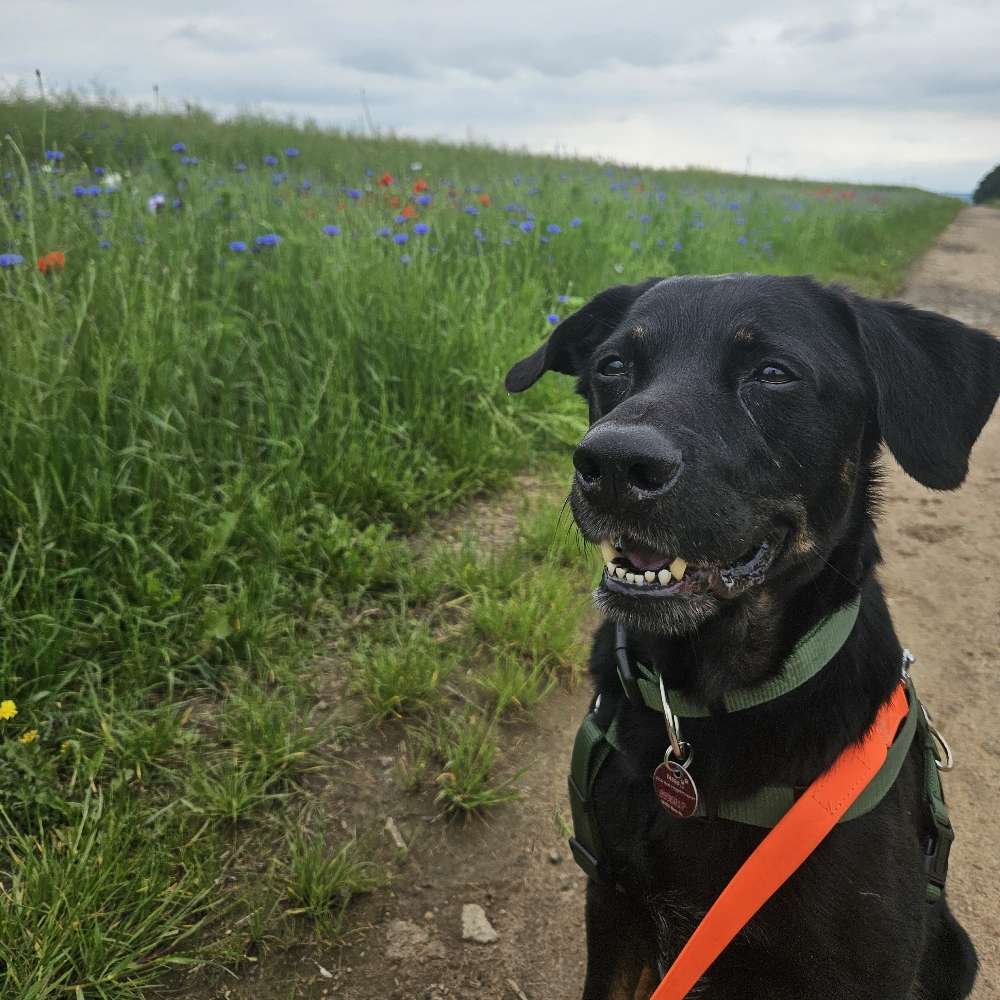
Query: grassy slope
point(203, 449)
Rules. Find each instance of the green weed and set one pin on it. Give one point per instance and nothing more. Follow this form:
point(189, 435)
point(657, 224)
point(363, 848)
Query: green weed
point(401, 672)
point(466, 747)
point(322, 884)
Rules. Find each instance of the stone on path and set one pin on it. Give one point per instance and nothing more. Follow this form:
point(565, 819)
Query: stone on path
point(475, 926)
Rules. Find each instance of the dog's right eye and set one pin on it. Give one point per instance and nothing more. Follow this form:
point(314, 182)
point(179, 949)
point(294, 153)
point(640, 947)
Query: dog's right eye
point(611, 367)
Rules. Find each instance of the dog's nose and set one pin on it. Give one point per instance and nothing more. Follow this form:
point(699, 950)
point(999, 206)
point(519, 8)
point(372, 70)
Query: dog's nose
point(615, 462)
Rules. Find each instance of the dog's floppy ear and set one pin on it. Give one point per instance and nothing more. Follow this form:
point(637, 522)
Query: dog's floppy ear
point(576, 336)
point(936, 380)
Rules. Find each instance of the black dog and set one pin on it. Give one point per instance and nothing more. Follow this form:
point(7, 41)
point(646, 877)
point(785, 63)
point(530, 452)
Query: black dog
point(735, 430)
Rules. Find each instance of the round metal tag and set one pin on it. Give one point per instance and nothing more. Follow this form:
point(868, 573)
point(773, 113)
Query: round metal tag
point(675, 789)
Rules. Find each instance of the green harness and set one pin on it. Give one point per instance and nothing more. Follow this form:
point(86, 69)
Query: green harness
point(598, 738)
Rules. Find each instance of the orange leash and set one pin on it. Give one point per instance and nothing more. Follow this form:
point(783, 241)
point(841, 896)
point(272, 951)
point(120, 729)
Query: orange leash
point(797, 834)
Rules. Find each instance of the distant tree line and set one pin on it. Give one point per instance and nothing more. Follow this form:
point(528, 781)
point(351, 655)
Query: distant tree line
point(989, 187)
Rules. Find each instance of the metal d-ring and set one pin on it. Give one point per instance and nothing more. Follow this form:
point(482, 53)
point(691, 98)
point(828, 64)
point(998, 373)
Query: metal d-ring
point(949, 758)
point(678, 748)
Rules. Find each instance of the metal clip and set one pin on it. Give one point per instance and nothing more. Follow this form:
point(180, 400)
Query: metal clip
point(680, 750)
point(949, 758)
point(908, 660)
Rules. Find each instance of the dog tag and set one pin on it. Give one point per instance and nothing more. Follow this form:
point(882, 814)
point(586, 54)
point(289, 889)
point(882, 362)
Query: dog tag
point(675, 788)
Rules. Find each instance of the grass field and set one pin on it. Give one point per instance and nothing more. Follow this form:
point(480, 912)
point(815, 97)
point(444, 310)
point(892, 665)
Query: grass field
point(241, 366)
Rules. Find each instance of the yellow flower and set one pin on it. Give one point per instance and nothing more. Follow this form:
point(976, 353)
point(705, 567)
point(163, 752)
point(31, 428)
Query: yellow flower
point(7, 709)
point(29, 736)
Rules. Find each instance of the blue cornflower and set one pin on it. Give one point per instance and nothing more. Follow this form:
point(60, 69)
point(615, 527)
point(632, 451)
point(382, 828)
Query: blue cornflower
point(279, 178)
point(189, 161)
point(527, 226)
point(331, 230)
point(305, 186)
point(645, 219)
point(383, 231)
point(238, 246)
point(553, 228)
point(54, 155)
point(478, 234)
point(10, 259)
point(354, 194)
point(575, 223)
point(507, 241)
point(179, 147)
point(79, 190)
point(401, 238)
point(742, 240)
point(292, 151)
point(424, 200)
point(94, 190)
point(661, 243)
point(562, 298)
point(471, 210)
point(552, 318)
point(104, 245)
point(733, 206)
point(678, 245)
point(268, 240)
point(404, 258)
point(99, 171)
point(270, 160)
point(176, 203)
point(400, 220)
point(544, 239)
point(634, 244)
point(421, 228)
point(240, 167)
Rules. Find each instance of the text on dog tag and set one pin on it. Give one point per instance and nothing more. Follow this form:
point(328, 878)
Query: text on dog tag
point(675, 789)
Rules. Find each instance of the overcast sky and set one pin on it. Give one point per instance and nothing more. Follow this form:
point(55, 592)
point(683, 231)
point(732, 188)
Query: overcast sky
point(894, 92)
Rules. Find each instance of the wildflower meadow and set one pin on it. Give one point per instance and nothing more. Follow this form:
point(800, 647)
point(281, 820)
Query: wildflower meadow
point(243, 365)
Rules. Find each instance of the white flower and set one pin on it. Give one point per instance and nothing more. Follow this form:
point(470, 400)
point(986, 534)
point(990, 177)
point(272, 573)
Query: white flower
point(111, 182)
point(416, 165)
point(156, 202)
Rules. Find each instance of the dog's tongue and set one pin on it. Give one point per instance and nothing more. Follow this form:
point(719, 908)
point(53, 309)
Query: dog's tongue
point(644, 559)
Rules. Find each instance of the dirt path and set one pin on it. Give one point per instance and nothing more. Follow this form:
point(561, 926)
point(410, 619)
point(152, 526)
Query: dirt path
point(516, 865)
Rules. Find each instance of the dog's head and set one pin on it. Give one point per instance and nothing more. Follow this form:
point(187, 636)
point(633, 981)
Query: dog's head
point(733, 424)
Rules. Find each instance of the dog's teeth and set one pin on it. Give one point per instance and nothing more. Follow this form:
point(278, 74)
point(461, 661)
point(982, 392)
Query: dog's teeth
point(650, 576)
point(620, 573)
point(639, 582)
point(630, 578)
point(664, 577)
point(677, 568)
point(611, 569)
point(608, 551)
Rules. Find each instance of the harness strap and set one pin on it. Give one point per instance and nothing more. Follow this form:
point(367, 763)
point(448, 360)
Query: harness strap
point(784, 849)
point(767, 805)
point(591, 748)
point(809, 656)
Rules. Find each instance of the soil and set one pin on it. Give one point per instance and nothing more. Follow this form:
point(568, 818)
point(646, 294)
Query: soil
point(943, 585)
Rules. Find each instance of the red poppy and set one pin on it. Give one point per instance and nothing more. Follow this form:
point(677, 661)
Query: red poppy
point(385, 180)
point(394, 201)
point(484, 200)
point(409, 212)
point(55, 260)
point(419, 186)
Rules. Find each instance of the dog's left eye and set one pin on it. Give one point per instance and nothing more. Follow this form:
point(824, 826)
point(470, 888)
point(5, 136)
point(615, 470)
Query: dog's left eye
point(611, 367)
point(773, 375)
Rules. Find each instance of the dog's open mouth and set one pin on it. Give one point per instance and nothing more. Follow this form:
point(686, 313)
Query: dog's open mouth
point(632, 569)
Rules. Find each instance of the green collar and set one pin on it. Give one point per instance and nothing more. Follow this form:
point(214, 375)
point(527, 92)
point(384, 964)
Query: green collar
point(810, 655)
